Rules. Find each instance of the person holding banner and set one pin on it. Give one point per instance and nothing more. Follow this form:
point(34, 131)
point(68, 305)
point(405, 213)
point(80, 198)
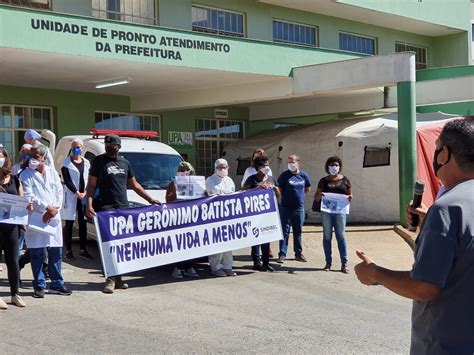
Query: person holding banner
point(110, 174)
point(184, 268)
point(220, 184)
point(334, 183)
point(75, 171)
point(293, 184)
point(43, 186)
point(9, 184)
point(262, 180)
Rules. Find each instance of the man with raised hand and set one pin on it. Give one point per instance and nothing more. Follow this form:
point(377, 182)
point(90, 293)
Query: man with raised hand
point(441, 281)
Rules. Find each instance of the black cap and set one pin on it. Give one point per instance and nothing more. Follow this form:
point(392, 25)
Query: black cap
point(112, 139)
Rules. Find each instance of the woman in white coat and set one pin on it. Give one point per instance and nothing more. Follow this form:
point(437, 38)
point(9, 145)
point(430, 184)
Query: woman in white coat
point(75, 170)
point(42, 185)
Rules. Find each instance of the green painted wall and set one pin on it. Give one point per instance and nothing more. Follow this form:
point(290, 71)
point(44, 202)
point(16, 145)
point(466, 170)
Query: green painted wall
point(77, 7)
point(459, 108)
point(73, 111)
point(175, 14)
point(451, 50)
point(452, 13)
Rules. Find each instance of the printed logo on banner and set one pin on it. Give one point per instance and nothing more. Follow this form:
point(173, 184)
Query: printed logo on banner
point(139, 238)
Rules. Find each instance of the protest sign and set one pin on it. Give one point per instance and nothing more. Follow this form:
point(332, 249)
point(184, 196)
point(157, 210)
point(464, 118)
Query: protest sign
point(144, 237)
point(13, 209)
point(335, 203)
point(190, 187)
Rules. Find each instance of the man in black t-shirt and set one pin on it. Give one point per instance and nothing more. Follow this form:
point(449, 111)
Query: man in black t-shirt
point(264, 181)
point(111, 174)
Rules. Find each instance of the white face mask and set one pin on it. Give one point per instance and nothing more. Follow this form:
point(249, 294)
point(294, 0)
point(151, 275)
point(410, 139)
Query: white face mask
point(333, 170)
point(34, 163)
point(292, 167)
point(265, 170)
point(222, 172)
point(2, 162)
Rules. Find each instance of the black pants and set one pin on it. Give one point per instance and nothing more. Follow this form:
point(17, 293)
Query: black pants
point(67, 230)
point(9, 244)
point(265, 254)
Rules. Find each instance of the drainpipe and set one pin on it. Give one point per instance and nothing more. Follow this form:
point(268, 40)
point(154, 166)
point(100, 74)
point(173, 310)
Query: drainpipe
point(407, 164)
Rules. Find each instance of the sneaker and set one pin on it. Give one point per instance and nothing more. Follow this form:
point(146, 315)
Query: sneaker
point(191, 272)
point(60, 290)
point(327, 267)
point(344, 269)
point(85, 255)
point(18, 301)
point(177, 273)
point(39, 292)
point(219, 273)
point(109, 285)
point(257, 267)
point(300, 258)
point(230, 272)
point(281, 259)
point(69, 255)
point(3, 304)
point(119, 284)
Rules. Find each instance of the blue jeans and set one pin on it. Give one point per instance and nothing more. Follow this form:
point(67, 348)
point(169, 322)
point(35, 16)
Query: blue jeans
point(338, 222)
point(54, 266)
point(291, 218)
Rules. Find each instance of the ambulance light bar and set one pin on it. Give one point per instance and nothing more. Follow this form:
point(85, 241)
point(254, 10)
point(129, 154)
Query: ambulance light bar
point(123, 133)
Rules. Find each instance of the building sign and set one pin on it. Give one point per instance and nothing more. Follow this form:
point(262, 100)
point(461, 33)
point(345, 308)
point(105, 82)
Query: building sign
point(221, 113)
point(180, 138)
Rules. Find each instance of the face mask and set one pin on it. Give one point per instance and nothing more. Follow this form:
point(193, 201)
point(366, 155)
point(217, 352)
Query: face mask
point(222, 172)
point(34, 163)
point(25, 157)
point(265, 170)
point(2, 162)
point(292, 167)
point(76, 151)
point(183, 173)
point(111, 152)
point(333, 170)
point(436, 165)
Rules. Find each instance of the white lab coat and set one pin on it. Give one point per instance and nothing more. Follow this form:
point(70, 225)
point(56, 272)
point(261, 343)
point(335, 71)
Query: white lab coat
point(43, 191)
point(216, 185)
point(68, 210)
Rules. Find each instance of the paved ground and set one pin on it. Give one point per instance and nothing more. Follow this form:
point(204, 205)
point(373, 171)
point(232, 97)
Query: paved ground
point(297, 309)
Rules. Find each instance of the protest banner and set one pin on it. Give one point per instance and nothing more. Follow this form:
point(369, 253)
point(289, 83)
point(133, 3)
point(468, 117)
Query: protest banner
point(13, 209)
point(144, 237)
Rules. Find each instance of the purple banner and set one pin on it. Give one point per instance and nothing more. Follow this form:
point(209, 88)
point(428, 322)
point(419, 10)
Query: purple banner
point(126, 223)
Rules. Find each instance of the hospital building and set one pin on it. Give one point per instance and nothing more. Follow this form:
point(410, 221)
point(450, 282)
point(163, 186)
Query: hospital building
point(207, 73)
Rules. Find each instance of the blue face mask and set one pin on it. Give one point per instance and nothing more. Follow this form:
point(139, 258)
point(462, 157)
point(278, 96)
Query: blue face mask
point(333, 170)
point(76, 151)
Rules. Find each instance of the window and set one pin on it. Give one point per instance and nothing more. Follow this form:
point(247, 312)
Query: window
point(212, 136)
point(356, 43)
point(221, 22)
point(376, 156)
point(289, 32)
point(136, 11)
point(421, 57)
point(37, 4)
point(16, 119)
point(127, 121)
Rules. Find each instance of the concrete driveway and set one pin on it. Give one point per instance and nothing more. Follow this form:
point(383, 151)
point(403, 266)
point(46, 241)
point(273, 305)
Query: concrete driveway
point(297, 309)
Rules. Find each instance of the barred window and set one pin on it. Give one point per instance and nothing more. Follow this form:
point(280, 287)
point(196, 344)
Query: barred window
point(37, 4)
point(218, 21)
point(127, 121)
point(421, 56)
point(376, 156)
point(356, 43)
point(290, 32)
point(136, 11)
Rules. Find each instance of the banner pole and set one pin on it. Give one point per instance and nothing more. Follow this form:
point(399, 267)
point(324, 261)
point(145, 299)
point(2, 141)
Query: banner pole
point(99, 242)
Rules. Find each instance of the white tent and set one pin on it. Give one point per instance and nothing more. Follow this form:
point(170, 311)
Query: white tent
point(375, 188)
